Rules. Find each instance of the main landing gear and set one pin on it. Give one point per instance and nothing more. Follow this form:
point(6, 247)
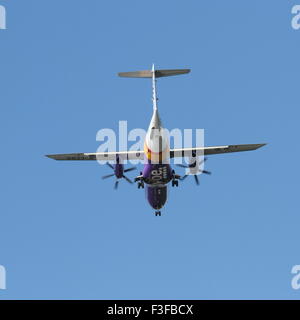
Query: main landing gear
point(175, 178)
point(157, 213)
point(141, 185)
point(140, 180)
point(174, 183)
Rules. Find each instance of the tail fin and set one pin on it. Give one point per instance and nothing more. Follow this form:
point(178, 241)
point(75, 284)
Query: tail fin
point(153, 74)
point(149, 73)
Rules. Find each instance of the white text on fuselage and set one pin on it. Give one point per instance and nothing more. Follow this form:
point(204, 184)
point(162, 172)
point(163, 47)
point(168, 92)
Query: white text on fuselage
point(159, 175)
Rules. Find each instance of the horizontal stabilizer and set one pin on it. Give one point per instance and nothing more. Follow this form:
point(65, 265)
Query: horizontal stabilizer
point(149, 73)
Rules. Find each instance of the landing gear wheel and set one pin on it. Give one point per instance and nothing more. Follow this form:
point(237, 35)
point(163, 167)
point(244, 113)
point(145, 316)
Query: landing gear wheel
point(174, 183)
point(157, 213)
point(141, 185)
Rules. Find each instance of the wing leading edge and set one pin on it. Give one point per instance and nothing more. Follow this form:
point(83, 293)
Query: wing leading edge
point(109, 156)
point(189, 152)
point(139, 155)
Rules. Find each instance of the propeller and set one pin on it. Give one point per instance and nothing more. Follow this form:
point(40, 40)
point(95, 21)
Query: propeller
point(193, 165)
point(118, 173)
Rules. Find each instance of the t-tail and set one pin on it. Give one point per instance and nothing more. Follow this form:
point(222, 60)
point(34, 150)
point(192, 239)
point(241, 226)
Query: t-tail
point(154, 74)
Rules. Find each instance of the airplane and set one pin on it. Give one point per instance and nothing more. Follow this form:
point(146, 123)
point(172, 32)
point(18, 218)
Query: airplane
point(157, 172)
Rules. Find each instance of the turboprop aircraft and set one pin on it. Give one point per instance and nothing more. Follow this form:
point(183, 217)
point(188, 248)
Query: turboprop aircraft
point(157, 172)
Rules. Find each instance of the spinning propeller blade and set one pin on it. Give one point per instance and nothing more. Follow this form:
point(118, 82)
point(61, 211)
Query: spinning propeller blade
point(127, 179)
point(110, 165)
point(130, 169)
point(108, 176)
point(192, 165)
point(117, 175)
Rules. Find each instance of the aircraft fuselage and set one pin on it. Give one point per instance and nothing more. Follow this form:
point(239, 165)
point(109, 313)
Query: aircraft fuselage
point(156, 177)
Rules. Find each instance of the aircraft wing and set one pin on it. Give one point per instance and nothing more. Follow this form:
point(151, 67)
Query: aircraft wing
point(190, 152)
point(139, 155)
point(125, 155)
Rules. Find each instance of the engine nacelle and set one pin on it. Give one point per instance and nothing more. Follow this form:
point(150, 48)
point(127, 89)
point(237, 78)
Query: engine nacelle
point(119, 170)
point(194, 165)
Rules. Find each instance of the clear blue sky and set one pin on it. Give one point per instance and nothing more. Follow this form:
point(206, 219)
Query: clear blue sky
point(65, 233)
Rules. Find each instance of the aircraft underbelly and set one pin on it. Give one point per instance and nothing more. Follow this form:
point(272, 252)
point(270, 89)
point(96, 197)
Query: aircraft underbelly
point(156, 177)
point(157, 195)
